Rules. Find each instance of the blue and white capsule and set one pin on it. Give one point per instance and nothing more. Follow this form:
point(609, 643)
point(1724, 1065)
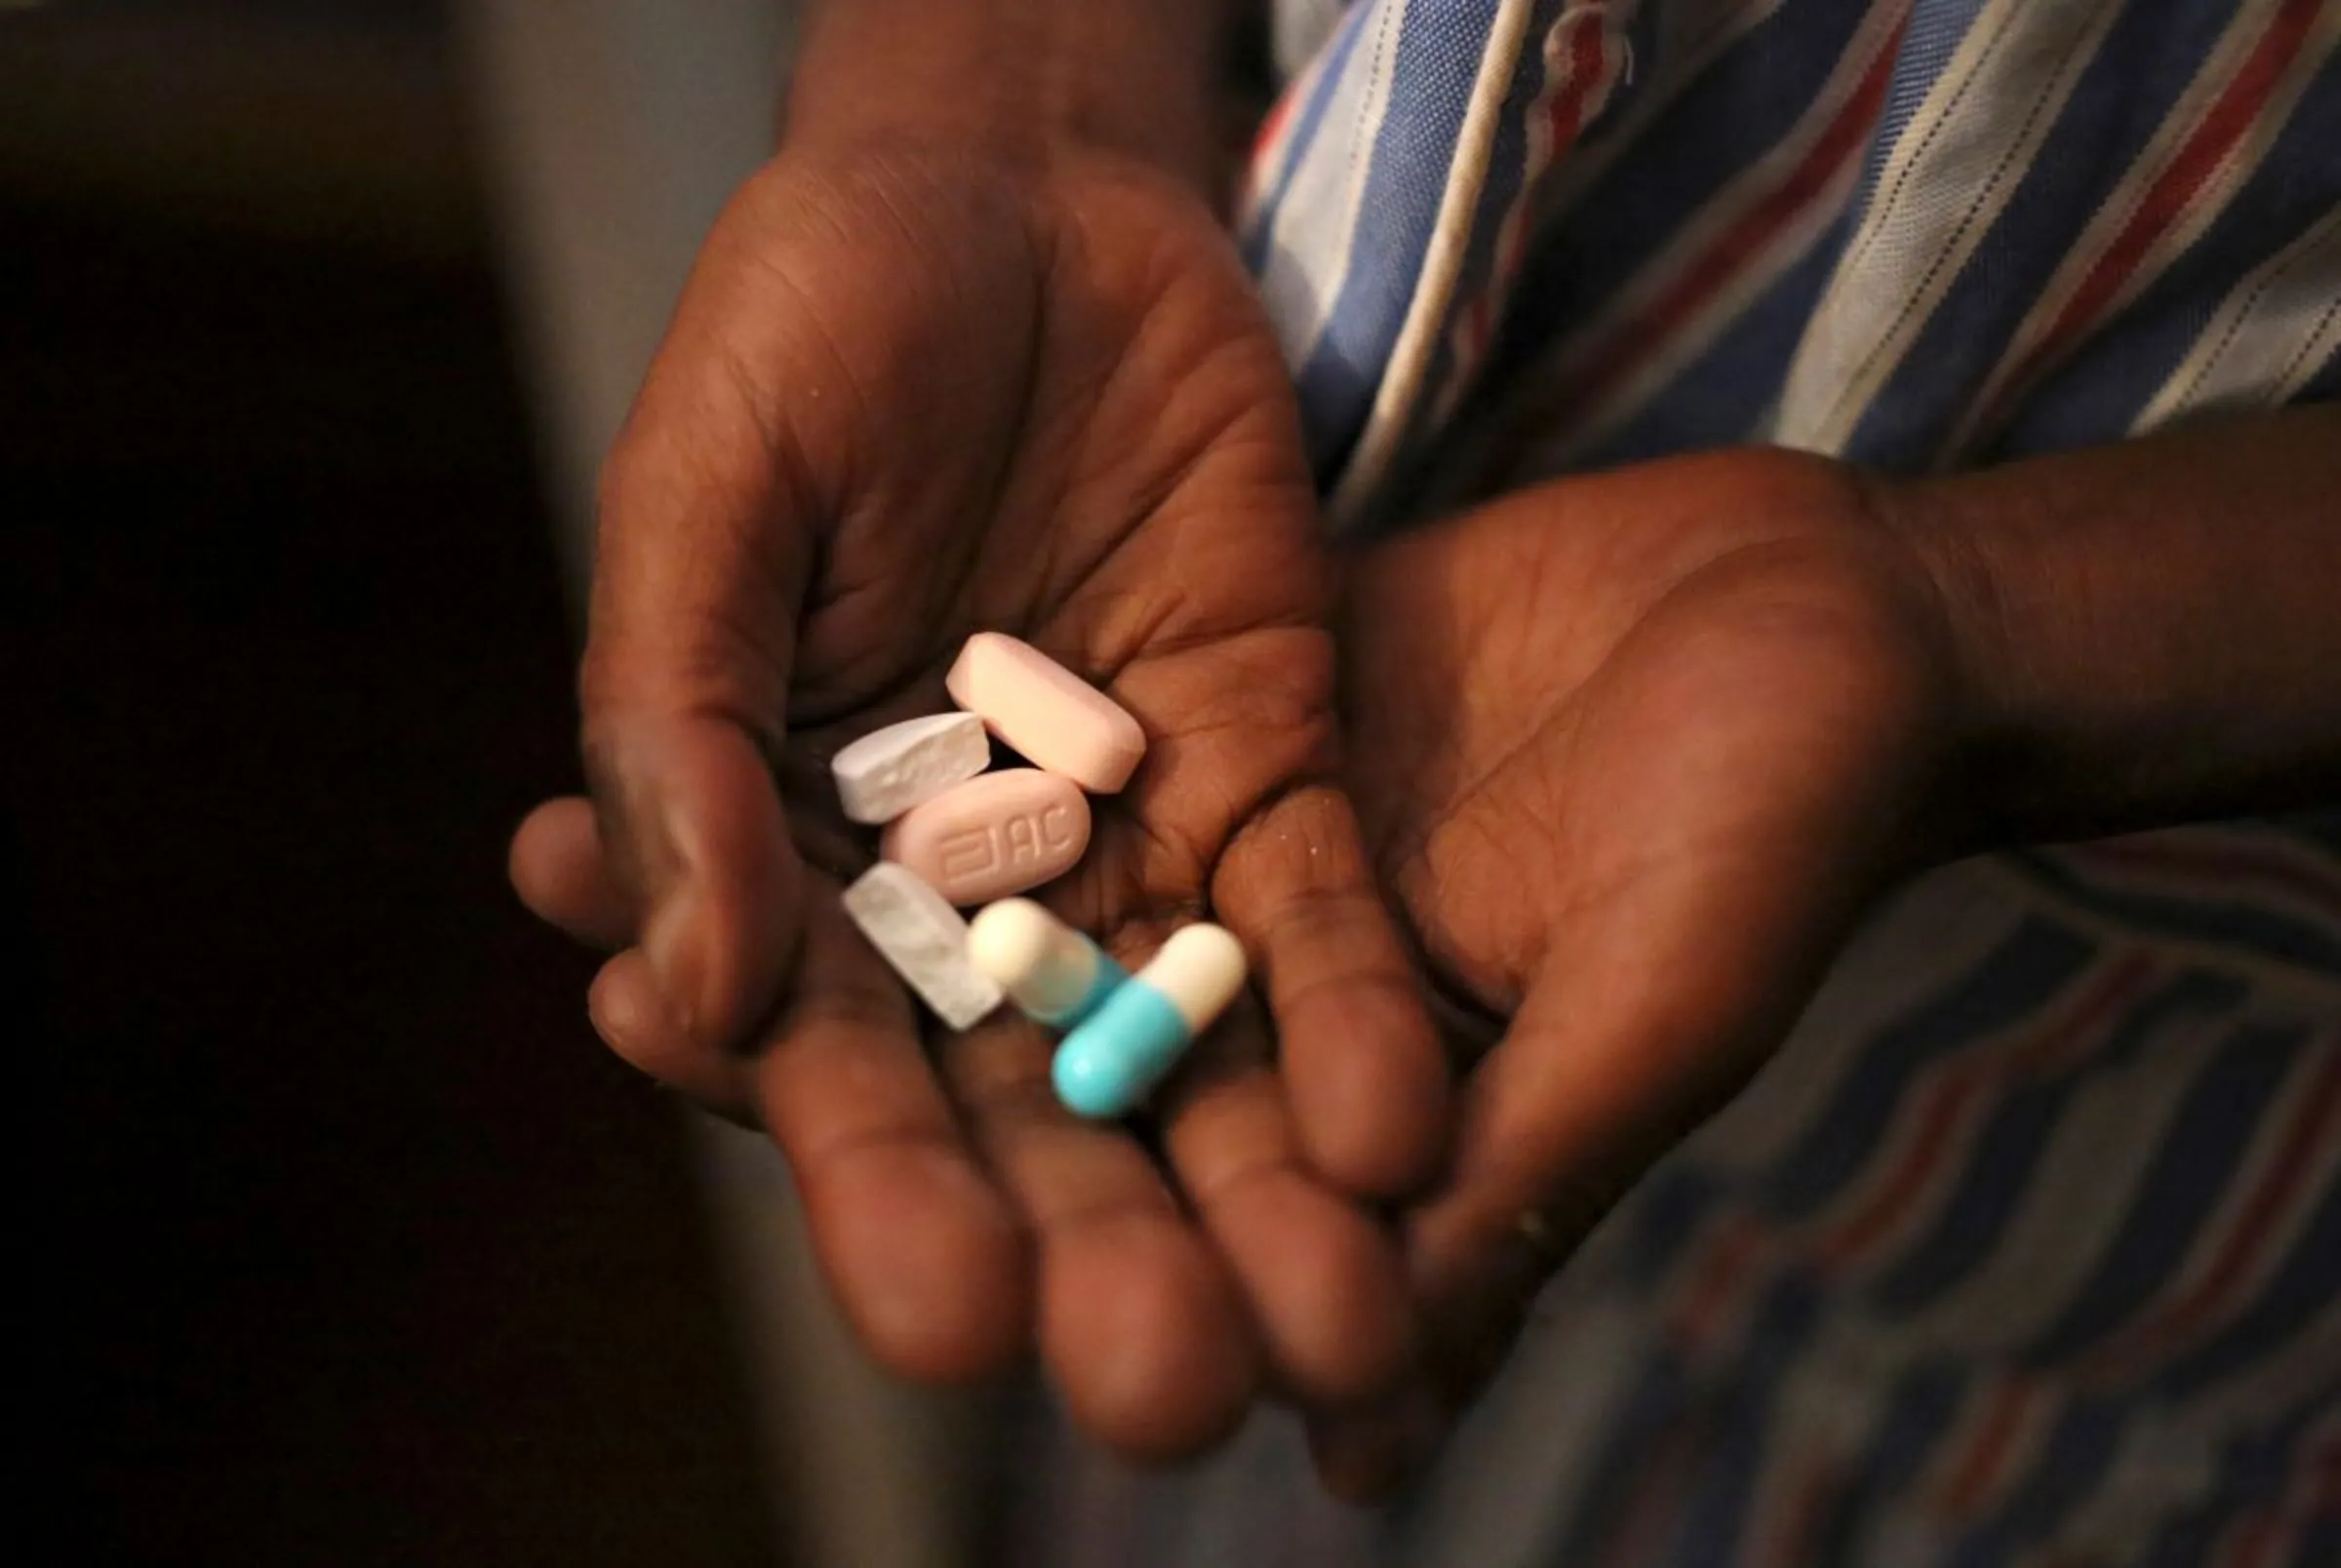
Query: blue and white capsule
point(1109, 1064)
point(1055, 975)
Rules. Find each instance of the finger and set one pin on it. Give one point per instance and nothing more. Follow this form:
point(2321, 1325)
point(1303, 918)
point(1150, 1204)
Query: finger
point(1368, 1455)
point(1238, 730)
point(1605, 1069)
point(629, 1012)
point(695, 832)
point(557, 867)
point(1325, 1281)
point(704, 553)
point(1137, 1318)
point(1361, 1061)
point(923, 1250)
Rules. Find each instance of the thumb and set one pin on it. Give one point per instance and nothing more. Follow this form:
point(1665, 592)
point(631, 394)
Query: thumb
point(697, 832)
point(1624, 1044)
point(703, 554)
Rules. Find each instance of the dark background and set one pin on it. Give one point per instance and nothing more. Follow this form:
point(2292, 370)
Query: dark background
point(348, 1243)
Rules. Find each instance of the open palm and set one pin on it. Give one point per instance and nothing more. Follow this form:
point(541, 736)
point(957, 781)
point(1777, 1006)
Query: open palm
point(1634, 750)
point(903, 399)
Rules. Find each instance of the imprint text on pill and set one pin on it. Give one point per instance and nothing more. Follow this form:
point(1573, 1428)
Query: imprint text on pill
point(993, 836)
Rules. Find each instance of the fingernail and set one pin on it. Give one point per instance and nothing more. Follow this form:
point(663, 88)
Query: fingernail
point(625, 1007)
point(667, 950)
point(615, 1013)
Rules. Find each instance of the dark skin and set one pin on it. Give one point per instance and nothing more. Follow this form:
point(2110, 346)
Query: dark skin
point(1634, 751)
point(910, 394)
point(1637, 750)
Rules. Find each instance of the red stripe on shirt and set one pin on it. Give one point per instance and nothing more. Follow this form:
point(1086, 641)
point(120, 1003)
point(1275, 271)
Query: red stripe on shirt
point(2244, 1239)
point(1563, 119)
point(1273, 122)
point(1961, 1090)
point(1630, 345)
point(2170, 195)
point(1988, 1449)
point(2221, 864)
point(2316, 1493)
point(1729, 1259)
point(1814, 1498)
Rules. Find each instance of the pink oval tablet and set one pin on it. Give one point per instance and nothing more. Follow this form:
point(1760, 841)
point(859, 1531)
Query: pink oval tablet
point(993, 836)
point(1051, 715)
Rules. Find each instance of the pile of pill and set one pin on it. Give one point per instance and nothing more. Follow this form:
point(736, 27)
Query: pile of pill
point(958, 833)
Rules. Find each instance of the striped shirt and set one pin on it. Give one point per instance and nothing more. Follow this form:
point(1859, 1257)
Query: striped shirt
point(2027, 1248)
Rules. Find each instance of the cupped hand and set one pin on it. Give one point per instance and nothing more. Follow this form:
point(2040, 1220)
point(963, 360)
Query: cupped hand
point(905, 398)
point(1634, 752)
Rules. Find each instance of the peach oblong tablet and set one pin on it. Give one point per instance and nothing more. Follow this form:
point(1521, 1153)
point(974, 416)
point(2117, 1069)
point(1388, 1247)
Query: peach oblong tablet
point(1051, 715)
point(992, 836)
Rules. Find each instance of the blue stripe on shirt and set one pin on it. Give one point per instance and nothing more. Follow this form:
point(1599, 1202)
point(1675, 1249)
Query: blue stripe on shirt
point(1406, 180)
point(2112, 376)
point(2199, 1157)
point(1762, 84)
point(2229, 923)
point(1507, 169)
point(2020, 976)
point(1308, 120)
point(1996, 1171)
point(2275, 1312)
point(1652, 1415)
point(1741, 1441)
point(2116, 107)
point(2250, 1480)
point(1722, 397)
point(2070, 1463)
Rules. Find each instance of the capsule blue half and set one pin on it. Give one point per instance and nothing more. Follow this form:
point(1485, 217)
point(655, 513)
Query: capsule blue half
point(1105, 980)
point(1109, 1064)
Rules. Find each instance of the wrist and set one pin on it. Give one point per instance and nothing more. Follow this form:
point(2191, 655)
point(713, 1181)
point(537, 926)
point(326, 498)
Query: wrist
point(1154, 82)
point(2140, 633)
point(1928, 661)
point(1978, 798)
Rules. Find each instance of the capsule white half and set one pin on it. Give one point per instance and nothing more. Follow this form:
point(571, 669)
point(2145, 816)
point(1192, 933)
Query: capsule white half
point(1053, 972)
point(1109, 1064)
